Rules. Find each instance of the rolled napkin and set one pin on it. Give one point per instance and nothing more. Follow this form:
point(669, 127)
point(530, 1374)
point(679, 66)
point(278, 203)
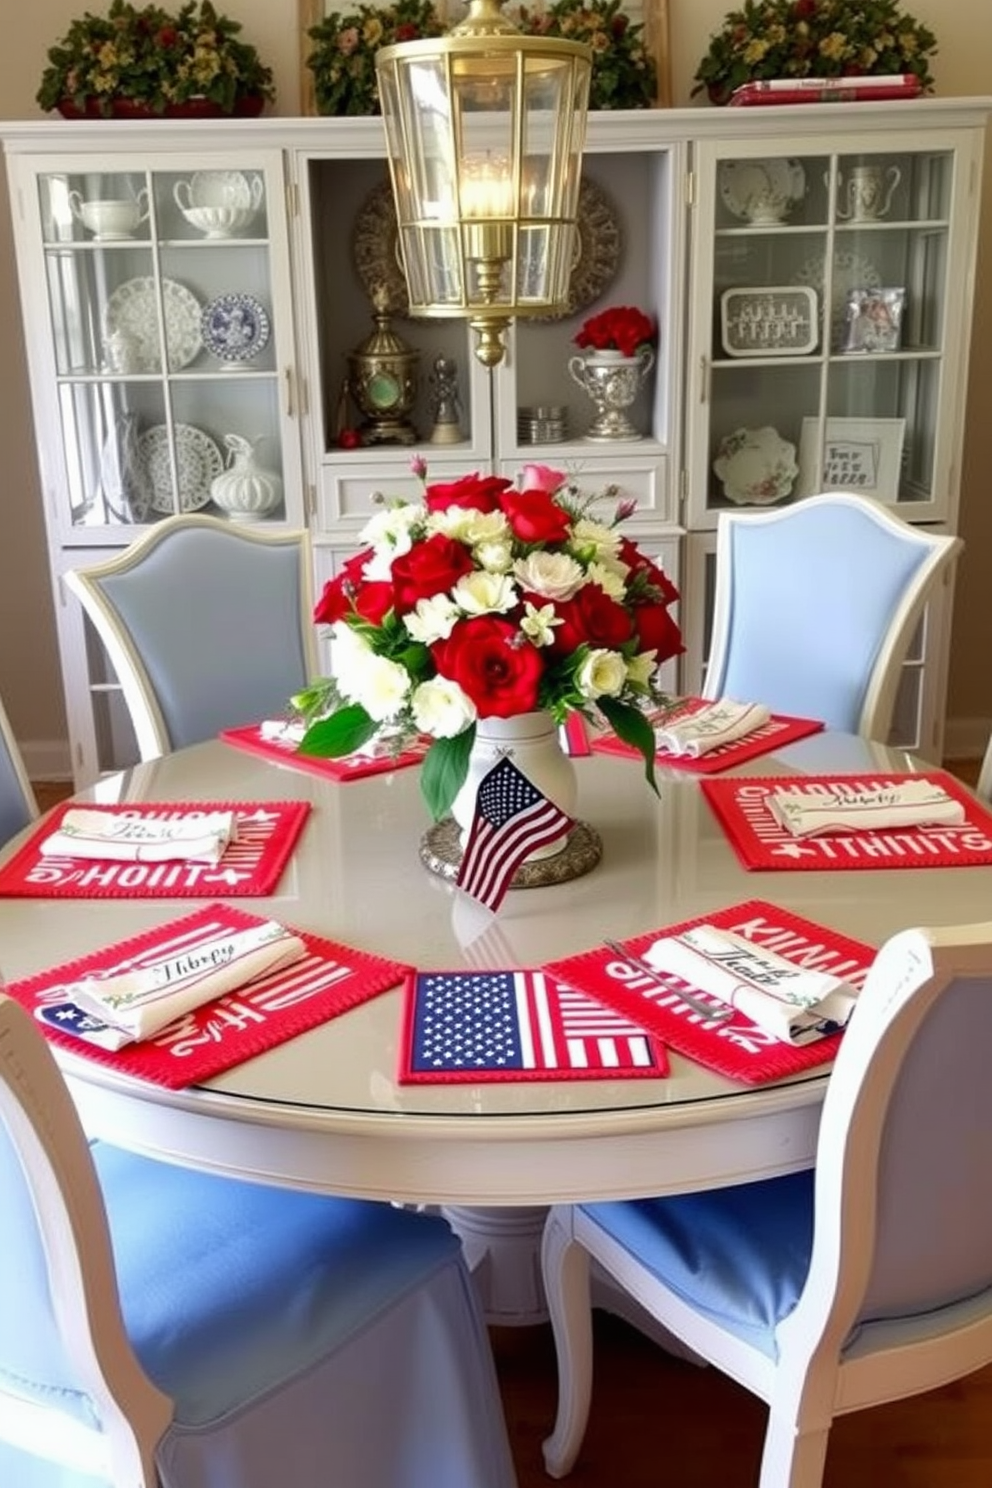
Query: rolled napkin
point(912, 803)
point(274, 730)
point(790, 1002)
point(138, 1004)
point(200, 838)
point(722, 722)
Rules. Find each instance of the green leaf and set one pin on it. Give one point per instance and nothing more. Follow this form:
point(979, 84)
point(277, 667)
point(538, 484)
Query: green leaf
point(630, 725)
point(344, 732)
point(443, 771)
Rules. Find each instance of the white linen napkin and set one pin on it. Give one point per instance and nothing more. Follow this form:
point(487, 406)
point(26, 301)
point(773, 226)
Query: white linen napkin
point(912, 803)
point(138, 1004)
point(275, 730)
point(197, 838)
point(790, 1002)
point(722, 722)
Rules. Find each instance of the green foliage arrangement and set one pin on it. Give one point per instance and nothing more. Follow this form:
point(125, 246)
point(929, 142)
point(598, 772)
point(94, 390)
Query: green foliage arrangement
point(813, 38)
point(153, 57)
point(343, 57)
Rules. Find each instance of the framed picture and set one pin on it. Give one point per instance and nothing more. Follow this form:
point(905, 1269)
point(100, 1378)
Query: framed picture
point(873, 319)
point(779, 321)
point(862, 455)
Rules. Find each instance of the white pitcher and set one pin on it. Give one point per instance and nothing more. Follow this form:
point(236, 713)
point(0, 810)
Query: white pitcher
point(869, 192)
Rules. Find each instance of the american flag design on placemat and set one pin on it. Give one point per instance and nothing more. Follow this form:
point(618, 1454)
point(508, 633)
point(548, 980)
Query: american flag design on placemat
point(512, 818)
point(517, 1025)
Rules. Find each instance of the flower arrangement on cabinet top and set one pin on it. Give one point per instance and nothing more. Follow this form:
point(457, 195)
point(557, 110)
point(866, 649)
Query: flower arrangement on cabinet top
point(343, 56)
point(154, 58)
point(813, 38)
point(483, 600)
point(622, 328)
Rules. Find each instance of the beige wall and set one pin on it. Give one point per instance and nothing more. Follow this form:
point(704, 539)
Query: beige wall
point(29, 675)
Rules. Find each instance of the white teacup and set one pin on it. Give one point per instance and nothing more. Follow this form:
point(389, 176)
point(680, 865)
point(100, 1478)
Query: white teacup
point(112, 217)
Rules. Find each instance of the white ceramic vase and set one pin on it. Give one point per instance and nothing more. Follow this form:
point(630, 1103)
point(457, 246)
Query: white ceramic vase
point(245, 490)
point(532, 742)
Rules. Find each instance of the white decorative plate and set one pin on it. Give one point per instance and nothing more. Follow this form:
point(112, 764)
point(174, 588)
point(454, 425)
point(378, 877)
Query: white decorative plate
point(224, 189)
point(131, 316)
point(198, 463)
point(761, 190)
point(851, 271)
point(235, 327)
point(757, 466)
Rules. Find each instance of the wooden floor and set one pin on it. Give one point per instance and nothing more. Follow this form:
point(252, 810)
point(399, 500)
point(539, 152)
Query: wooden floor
point(658, 1422)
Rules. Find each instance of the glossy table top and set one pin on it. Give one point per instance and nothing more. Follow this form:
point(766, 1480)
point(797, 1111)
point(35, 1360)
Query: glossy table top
point(325, 1109)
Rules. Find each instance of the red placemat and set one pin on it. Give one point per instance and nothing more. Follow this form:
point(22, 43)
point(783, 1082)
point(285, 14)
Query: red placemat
point(473, 1026)
point(735, 1047)
point(222, 1033)
point(779, 730)
point(760, 843)
point(267, 834)
point(350, 767)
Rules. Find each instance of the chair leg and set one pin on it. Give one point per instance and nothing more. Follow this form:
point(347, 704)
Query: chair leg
point(793, 1456)
point(566, 1279)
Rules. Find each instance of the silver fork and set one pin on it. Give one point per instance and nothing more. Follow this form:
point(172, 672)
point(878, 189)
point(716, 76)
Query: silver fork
point(705, 1010)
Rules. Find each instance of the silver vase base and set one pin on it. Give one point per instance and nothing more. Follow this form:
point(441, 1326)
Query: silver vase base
point(441, 853)
point(593, 438)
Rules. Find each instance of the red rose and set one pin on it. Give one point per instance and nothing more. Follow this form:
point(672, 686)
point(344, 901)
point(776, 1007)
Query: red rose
point(167, 36)
point(591, 617)
point(534, 517)
point(430, 567)
point(657, 631)
point(643, 572)
point(479, 492)
point(350, 593)
point(493, 664)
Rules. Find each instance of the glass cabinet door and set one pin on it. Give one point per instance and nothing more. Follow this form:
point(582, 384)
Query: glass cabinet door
point(824, 288)
point(169, 333)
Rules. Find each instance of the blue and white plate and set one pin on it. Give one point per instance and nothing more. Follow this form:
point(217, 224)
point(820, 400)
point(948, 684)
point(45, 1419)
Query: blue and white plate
point(235, 327)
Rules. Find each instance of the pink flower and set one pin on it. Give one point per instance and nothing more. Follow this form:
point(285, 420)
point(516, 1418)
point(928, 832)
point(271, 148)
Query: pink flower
point(542, 478)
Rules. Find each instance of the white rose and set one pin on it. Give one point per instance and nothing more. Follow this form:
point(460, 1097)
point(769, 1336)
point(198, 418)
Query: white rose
point(350, 654)
point(381, 687)
point(441, 709)
point(552, 575)
point(602, 674)
point(495, 557)
point(390, 533)
point(485, 594)
point(432, 620)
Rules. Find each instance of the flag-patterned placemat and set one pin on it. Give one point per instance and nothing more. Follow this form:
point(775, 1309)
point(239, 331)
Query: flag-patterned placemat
point(735, 1047)
point(350, 767)
point(267, 833)
point(328, 981)
point(781, 729)
point(741, 807)
point(472, 1026)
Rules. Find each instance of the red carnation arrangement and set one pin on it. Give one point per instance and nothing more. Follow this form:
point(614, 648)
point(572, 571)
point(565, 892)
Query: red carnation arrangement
point(622, 328)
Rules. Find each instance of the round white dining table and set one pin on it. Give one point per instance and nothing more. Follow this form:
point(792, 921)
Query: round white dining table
point(325, 1110)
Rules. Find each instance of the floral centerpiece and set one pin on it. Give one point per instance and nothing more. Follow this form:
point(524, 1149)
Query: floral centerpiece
point(343, 56)
point(156, 60)
point(622, 328)
point(813, 38)
point(485, 601)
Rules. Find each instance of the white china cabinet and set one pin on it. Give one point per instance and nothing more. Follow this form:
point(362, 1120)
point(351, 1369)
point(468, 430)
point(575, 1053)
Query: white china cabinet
point(810, 269)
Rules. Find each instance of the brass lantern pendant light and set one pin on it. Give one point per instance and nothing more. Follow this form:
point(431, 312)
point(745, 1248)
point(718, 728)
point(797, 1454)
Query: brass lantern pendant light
point(484, 131)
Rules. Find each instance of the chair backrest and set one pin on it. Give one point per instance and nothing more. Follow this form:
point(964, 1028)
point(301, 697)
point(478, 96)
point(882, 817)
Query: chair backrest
point(62, 1337)
point(208, 625)
point(902, 1244)
point(18, 806)
point(984, 783)
point(816, 605)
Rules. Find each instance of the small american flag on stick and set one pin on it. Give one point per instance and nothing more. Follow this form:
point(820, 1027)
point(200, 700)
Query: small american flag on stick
point(512, 818)
point(517, 1025)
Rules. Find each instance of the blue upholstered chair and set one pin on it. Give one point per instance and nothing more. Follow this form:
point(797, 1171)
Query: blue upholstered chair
point(162, 1328)
point(18, 806)
point(816, 605)
point(208, 625)
point(822, 1292)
